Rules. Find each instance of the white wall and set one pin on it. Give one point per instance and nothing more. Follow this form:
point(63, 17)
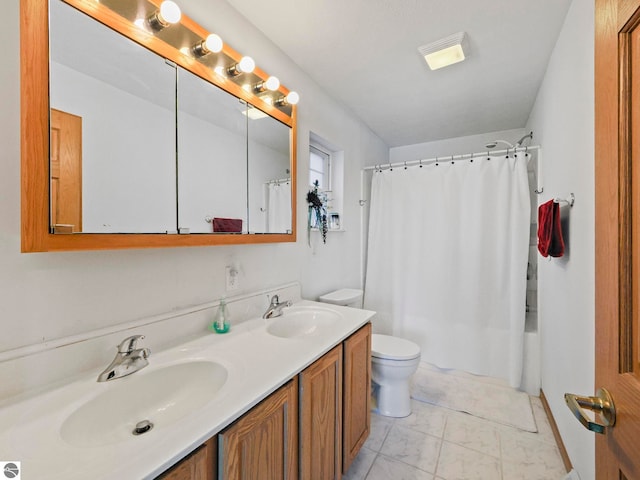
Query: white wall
point(212, 179)
point(50, 295)
point(563, 121)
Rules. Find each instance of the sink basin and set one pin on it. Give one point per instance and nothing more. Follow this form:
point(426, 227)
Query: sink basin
point(162, 397)
point(297, 322)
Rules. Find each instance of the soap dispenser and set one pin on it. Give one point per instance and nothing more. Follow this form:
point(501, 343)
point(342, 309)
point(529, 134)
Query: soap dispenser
point(221, 322)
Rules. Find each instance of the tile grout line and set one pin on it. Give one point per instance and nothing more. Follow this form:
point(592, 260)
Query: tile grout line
point(371, 466)
point(500, 452)
point(446, 422)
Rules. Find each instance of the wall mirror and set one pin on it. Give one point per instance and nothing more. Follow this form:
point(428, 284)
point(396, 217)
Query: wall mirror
point(212, 157)
point(113, 121)
point(171, 148)
point(269, 174)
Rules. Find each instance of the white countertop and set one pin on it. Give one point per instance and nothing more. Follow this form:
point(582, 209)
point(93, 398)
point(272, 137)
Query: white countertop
point(257, 364)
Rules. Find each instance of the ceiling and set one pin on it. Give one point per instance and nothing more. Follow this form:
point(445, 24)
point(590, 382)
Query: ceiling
point(364, 54)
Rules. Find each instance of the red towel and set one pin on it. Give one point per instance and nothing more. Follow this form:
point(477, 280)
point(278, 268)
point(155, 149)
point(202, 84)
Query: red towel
point(227, 225)
point(550, 240)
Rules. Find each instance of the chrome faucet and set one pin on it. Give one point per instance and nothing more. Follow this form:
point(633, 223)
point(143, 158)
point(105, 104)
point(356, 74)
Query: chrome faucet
point(275, 307)
point(129, 359)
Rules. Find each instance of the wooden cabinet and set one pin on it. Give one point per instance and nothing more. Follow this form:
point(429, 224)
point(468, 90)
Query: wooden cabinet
point(263, 444)
point(199, 465)
point(321, 418)
point(357, 394)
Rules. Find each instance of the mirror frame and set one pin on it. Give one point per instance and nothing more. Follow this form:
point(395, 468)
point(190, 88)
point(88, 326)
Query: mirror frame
point(34, 143)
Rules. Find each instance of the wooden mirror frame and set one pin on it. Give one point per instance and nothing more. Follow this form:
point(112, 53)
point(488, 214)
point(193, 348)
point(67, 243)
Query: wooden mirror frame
point(34, 143)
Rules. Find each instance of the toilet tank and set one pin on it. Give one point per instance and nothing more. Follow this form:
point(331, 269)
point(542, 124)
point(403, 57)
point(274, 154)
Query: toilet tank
point(347, 297)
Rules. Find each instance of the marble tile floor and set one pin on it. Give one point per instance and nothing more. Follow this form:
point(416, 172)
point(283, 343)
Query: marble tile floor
point(436, 443)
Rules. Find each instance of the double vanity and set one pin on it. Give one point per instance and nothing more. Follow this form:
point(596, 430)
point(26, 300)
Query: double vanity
point(283, 397)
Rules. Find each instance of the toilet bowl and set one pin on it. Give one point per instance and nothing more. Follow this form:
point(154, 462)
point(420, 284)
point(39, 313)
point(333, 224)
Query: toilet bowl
point(393, 361)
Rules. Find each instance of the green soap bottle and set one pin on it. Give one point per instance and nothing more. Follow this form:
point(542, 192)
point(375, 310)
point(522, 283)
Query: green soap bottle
point(221, 323)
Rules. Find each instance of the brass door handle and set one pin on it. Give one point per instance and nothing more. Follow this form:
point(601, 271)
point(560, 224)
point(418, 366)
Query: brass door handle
point(602, 403)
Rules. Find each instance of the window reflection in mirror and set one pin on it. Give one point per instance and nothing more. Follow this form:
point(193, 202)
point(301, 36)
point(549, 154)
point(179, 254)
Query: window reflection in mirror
point(212, 158)
point(113, 169)
point(269, 174)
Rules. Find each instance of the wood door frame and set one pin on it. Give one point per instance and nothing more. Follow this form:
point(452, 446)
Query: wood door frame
point(614, 228)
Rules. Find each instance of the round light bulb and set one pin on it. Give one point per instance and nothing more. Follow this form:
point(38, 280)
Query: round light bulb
point(213, 43)
point(272, 83)
point(293, 98)
point(170, 12)
point(246, 65)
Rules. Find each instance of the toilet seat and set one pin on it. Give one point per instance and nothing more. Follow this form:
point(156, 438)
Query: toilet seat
point(393, 348)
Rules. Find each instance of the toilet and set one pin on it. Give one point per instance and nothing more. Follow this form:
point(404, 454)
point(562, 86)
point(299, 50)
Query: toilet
point(393, 361)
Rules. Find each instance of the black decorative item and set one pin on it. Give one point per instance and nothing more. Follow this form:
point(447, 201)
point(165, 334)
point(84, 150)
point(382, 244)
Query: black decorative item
point(317, 213)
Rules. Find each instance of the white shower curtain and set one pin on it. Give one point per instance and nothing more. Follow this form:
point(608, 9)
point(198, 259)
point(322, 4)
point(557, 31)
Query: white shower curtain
point(447, 261)
point(279, 207)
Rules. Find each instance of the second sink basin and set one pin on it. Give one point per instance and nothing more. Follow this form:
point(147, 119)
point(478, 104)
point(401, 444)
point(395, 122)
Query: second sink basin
point(162, 397)
point(302, 321)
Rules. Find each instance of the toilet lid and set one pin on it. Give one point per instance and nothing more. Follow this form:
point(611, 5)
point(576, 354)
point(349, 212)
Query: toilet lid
point(393, 348)
point(344, 296)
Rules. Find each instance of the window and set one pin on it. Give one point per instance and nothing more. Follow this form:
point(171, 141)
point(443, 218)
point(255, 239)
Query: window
point(326, 166)
point(319, 168)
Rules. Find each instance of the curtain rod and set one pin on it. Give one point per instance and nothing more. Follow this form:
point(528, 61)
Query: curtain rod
point(278, 181)
point(450, 158)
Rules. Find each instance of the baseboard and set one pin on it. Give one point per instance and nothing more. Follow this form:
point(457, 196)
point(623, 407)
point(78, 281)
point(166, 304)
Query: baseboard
point(556, 432)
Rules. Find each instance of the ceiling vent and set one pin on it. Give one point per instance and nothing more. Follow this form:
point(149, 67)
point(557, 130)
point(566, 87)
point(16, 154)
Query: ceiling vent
point(444, 52)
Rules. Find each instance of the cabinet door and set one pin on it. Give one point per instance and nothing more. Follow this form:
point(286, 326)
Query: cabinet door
point(263, 443)
point(321, 417)
point(357, 393)
point(199, 465)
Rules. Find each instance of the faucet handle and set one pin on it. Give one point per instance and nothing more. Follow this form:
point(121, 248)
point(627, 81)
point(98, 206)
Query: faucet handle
point(128, 345)
point(275, 300)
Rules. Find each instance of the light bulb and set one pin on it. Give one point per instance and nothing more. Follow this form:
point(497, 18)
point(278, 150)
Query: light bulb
point(213, 43)
point(293, 98)
point(272, 83)
point(246, 65)
point(170, 12)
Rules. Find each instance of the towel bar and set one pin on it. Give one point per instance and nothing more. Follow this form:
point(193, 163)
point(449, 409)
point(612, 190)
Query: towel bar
point(569, 201)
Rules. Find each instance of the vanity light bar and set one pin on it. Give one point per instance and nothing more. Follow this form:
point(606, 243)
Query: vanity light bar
point(169, 13)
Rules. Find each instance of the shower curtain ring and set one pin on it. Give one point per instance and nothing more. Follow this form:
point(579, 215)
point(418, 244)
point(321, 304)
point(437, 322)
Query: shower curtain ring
point(452, 162)
point(436, 161)
point(405, 165)
point(420, 163)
